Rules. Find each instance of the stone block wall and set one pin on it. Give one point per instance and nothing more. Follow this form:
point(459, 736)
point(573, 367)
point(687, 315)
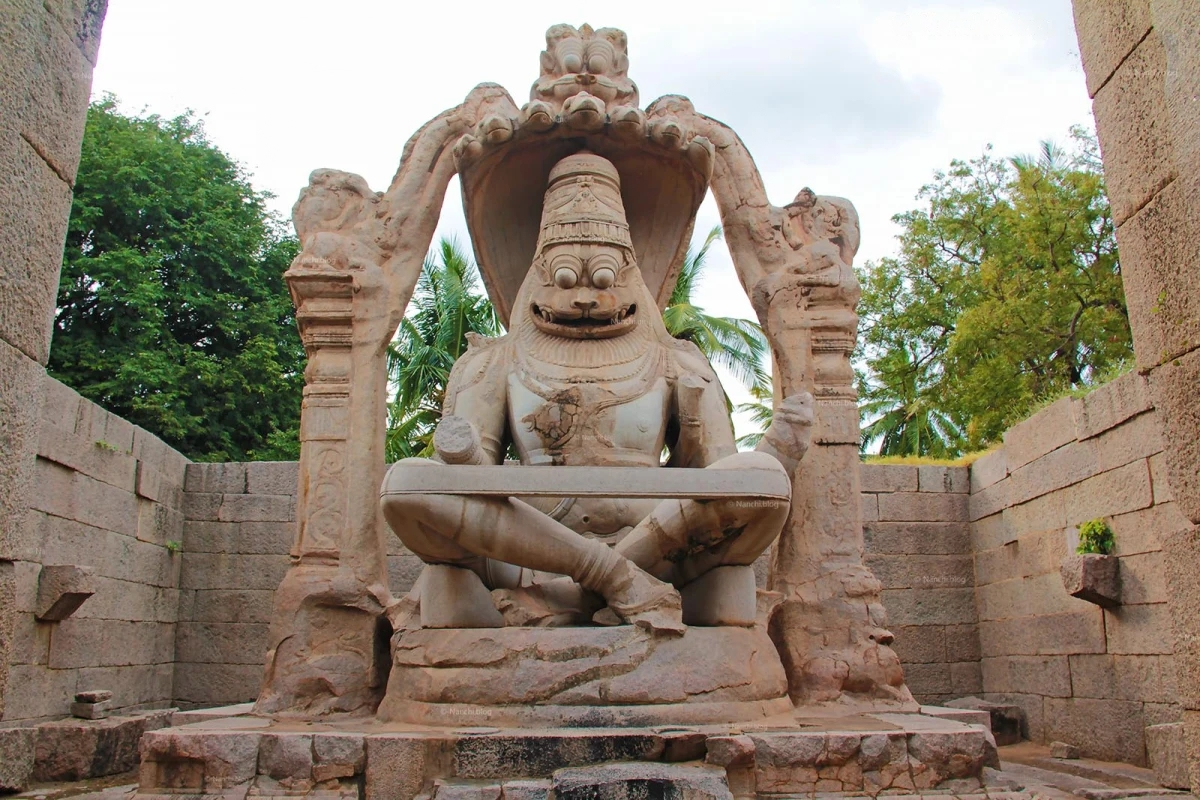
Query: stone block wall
point(1085, 675)
point(107, 495)
point(969, 561)
point(918, 545)
point(240, 523)
point(1142, 62)
point(47, 51)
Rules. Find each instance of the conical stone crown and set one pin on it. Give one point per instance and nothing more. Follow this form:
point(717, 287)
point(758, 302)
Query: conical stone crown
point(583, 204)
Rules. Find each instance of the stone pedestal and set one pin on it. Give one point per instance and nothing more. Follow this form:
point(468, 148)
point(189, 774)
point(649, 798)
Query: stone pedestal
point(616, 676)
point(786, 755)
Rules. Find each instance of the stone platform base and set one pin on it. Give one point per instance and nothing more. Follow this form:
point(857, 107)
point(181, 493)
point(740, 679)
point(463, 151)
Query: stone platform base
point(790, 755)
point(584, 677)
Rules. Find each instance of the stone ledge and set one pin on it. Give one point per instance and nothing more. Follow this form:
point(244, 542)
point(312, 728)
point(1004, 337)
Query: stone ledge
point(862, 754)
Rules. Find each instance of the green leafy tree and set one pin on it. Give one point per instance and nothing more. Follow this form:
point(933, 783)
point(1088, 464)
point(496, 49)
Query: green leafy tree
point(1006, 291)
point(446, 305)
point(172, 310)
point(730, 342)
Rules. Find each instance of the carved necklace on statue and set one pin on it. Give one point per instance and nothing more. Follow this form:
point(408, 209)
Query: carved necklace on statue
point(580, 379)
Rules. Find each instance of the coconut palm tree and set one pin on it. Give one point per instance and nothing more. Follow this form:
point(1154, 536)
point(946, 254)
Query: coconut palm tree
point(447, 304)
point(906, 420)
point(760, 411)
point(736, 344)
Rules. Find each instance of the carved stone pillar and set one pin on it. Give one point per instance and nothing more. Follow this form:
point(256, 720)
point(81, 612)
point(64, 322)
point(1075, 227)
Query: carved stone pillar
point(326, 655)
point(829, 625)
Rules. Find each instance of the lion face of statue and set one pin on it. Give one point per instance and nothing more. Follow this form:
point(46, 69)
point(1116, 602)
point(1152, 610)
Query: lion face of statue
point(587, 291)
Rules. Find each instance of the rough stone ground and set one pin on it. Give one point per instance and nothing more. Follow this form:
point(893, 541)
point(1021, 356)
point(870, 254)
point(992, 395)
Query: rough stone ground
point(1028, 772)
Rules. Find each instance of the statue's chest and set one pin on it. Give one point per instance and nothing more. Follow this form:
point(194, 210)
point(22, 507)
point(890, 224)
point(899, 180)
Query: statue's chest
point(589, 424)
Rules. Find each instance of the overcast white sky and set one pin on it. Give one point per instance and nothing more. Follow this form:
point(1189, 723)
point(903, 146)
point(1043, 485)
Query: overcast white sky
point(859, 98)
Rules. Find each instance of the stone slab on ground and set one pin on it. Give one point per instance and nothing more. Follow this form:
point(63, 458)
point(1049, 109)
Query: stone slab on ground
point(856, 754)
point(203, 714)
point(74, 749)
point(1005, 721)
point(967, 716)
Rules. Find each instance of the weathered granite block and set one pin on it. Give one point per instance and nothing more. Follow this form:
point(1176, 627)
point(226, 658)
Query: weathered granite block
point(215, 684)
point(286, 757)
point(338, 756)
point(272, 477)
point(1131, 110)
point(966, 677)
point(932, 478)
point(221, 643)
point(1143, 579)
point(17, 745)
point(1168, 755)
point(74, 749)
point(1139, 437)
point(98, 458)
point(1107, 406)
point(396, 765)
point(1093, 577)
point(988, 470)
point(924, 572)
point(215, 478)
point(1163, 311)
point(1117, 491)
point(1052, 634)
point(62, 590)
point(1108, 31)
point(1110, 730)
point(257, 508)
point(1069, 464)
point(888, 478)
point(922, 507)
point(920, 644)
point(1175, 385)
point(207, 762)
point(32, 228)
point(917, 538)
point(930, 606)
point(1045, 431)
point(1139, 630)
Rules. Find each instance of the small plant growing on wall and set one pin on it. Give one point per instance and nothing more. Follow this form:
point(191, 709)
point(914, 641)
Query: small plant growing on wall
point(1095, 536)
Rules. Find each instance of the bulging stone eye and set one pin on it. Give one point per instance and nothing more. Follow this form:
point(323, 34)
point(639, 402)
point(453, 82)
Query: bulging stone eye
point(565, 278)
point(572, 62)
point(603, 277)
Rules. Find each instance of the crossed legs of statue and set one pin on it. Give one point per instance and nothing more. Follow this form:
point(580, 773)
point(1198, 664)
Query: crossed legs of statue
point(676, 543)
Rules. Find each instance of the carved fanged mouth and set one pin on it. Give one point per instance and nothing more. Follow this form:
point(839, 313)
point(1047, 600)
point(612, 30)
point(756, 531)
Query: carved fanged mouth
point(584, 326)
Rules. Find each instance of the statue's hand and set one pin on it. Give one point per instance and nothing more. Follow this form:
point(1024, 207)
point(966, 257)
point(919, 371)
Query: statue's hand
point(457, 442)
point(790, 433)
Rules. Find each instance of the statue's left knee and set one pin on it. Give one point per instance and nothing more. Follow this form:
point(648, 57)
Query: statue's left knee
point(749, 459)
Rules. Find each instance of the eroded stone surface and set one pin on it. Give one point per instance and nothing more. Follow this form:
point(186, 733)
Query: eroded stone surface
point(580, 673)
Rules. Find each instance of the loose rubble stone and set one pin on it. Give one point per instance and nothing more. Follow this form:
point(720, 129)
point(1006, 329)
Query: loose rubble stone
point(1063, 750)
